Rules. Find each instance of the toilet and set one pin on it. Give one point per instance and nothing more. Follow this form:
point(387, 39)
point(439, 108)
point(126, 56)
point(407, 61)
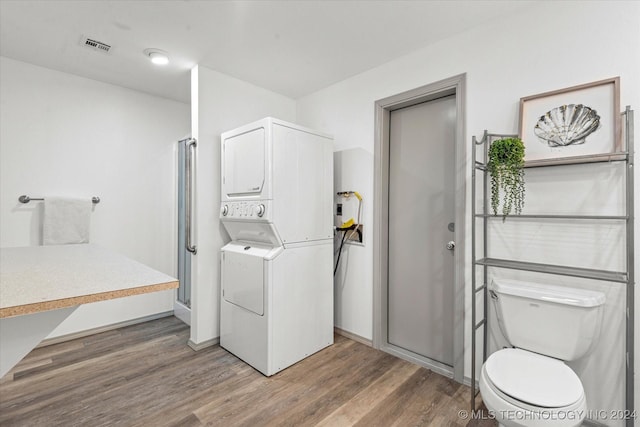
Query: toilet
point(529, 384)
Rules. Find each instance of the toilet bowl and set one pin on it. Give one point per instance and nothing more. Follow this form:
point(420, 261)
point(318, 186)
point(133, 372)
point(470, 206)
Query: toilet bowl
point(522, 388)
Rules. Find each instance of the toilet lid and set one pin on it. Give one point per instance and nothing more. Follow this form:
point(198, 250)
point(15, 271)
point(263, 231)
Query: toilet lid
point(534, 379)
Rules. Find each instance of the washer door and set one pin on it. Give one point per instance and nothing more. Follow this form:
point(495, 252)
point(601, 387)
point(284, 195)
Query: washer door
point(243, 281)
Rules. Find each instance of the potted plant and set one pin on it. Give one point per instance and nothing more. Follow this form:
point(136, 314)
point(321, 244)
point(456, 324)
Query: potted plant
point(506, 167)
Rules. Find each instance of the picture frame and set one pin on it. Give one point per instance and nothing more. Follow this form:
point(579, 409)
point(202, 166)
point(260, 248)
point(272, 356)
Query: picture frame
point(578, 124)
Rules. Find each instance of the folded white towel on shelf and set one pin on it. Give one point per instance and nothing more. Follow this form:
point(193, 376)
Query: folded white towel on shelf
point(66, 221)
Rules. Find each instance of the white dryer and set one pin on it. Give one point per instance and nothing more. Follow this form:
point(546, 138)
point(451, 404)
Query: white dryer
point(277, 280)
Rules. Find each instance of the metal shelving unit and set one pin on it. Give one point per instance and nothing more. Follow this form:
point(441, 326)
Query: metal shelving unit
point(484, 261)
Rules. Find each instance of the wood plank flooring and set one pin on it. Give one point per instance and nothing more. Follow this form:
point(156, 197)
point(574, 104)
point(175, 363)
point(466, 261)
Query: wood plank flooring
point(146, 375)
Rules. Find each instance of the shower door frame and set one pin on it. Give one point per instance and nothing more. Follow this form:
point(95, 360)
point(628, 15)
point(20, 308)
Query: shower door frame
point(184, 198)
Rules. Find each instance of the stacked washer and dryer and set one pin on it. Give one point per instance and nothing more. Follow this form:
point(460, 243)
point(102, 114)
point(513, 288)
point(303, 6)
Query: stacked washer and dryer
point(276, 273)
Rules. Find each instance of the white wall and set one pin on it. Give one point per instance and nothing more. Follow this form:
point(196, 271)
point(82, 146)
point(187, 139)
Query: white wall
point(220, 103)
point(353, 171)
point(66, 135)
point(547, 47)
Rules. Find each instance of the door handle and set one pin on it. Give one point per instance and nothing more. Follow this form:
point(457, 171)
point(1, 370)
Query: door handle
point(190, 146)
point(451, 245)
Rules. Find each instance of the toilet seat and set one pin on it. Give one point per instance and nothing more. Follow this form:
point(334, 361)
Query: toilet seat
point(532, 379)
point(510, 412)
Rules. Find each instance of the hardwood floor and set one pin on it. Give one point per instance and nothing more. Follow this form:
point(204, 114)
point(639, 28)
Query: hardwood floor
point(146, 375)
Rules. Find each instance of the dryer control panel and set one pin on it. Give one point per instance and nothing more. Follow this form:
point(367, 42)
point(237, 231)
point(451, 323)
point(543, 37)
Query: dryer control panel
point(254, 210)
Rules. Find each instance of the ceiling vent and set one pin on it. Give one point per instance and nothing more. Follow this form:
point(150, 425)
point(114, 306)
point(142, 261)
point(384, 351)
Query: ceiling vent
point(95, 45)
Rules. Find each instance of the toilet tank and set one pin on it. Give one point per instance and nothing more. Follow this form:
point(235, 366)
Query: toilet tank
point(556, 321)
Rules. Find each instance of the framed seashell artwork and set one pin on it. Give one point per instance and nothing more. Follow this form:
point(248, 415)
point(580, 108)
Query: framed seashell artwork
point(573, 125)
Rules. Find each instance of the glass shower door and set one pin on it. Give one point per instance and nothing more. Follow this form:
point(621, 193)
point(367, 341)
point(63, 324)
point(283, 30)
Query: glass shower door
point(186, 150)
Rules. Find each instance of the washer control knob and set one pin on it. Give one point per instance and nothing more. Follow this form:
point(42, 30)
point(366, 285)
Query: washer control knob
point(261, 210)
point(225, 210)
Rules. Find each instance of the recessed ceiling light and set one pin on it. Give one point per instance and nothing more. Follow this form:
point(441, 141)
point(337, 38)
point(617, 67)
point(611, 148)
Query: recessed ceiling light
point(157, 56)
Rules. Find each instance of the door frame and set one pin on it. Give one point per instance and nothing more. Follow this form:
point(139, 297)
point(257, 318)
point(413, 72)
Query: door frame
point(451, 86)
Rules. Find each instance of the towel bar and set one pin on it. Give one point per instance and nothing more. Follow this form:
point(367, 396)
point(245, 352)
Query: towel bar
point(27, 199)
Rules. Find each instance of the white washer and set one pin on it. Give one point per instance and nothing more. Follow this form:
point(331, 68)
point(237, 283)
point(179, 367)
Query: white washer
point(277, 280)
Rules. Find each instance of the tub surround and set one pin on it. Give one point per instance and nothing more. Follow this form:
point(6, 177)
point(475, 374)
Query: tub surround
point(40, 286)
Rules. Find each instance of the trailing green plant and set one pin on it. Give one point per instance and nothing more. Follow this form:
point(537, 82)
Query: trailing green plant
point(506, 167)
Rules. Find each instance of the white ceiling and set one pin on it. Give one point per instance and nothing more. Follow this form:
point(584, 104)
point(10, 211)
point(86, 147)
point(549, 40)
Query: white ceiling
point(290, 47)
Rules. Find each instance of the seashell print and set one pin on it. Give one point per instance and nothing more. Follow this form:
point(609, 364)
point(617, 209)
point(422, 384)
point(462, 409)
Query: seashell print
point(567, 125)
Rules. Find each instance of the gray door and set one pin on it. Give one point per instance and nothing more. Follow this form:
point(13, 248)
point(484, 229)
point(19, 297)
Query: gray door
point(421, 216)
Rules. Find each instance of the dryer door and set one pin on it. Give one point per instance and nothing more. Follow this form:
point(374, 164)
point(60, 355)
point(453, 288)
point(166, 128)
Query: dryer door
point(243, 282)
point(243, 164)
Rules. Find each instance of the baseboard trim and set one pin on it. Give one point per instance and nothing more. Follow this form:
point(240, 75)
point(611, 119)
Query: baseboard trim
point(467, 381)
point(182, 312)
point(203, 344)
point(352, 336)
point(93, 331)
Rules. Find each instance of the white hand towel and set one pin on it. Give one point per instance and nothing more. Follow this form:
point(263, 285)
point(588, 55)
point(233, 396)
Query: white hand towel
point(66, 221)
